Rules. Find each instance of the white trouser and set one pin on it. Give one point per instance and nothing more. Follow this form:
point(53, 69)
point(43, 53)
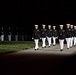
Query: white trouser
point(16, 37)
point(68, 42)
point(9, 37)
point(61, 42)
point(36, 43)
point(71, 41)
point(54, 40)
point(74, 40)
point(49, 40)
point(43, 42)
point(2, 37)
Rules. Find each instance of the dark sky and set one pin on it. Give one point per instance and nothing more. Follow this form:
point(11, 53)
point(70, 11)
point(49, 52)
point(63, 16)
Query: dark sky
point(30, 12)
point(23, 14)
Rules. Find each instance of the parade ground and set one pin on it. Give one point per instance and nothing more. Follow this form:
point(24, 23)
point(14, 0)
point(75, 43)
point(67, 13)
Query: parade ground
point(47, 61)
point(47, 50)
point(26, 27)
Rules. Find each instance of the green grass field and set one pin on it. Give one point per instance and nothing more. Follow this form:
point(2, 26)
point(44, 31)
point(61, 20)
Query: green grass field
point(13, 46)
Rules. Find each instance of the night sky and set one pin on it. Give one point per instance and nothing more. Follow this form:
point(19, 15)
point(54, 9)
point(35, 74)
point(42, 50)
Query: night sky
point(24, 14)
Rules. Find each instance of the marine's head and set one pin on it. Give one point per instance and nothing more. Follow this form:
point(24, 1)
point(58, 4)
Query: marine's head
point(61, 26)
point(74, 27)
point(49, 26)
point(43, 26)
point(68, 25)
point(54, 27)
point(36, 26)
point(71, 26)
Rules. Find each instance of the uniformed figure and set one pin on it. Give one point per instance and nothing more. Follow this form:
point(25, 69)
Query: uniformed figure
point(54, 35)
point(36, 37)
point(72, 36)
point(23, 34)
point(9, 34)
point(49, 35)
point(61, 36)
point(16, 34)
point(68, 35)
point(2, 34)
point(43, 36)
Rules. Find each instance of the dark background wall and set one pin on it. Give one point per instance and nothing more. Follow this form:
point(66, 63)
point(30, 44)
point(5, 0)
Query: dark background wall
point(24, 14)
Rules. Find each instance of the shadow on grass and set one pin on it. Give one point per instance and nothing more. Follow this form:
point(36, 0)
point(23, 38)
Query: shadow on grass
point(13, 51)
point(8, 52)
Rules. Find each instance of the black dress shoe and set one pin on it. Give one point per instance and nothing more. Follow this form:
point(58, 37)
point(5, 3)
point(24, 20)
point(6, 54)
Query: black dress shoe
point(42, 47)
point(45, 47)
point(49, 46)
point(53, 45)
point(38, 49)
point(35, 49)
point(61, 50)
point(67, 48)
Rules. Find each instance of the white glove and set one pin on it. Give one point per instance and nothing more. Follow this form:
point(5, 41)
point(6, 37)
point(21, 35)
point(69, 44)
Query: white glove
point(40, 38)
point(32, 38)
point(56, 37)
